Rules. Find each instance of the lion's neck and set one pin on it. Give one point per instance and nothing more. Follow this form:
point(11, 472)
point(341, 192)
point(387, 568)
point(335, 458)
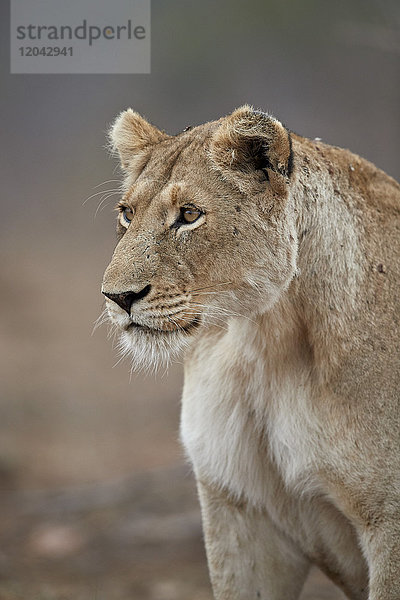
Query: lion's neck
point(330, 269)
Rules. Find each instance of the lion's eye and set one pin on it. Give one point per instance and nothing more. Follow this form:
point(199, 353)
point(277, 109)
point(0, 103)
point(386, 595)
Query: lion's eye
point(126, 215)
point(189, 214)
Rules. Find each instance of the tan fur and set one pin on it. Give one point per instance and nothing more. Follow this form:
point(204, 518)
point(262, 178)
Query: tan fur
point(283, 296)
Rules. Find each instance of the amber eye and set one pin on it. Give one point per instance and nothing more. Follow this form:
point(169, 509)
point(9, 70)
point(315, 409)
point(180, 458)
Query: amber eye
point(126, 215)
point(190, 214)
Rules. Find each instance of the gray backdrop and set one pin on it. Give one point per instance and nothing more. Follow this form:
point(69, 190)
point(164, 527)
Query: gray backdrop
point(326, 69)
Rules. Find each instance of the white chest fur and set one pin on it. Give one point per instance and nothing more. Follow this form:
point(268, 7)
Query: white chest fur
point(246, 409)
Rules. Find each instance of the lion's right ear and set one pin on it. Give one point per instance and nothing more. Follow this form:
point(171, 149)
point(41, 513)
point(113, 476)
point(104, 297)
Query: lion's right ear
point(131, 134)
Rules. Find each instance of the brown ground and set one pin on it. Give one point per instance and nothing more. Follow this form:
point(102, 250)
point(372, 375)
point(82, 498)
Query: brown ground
point(96, 501)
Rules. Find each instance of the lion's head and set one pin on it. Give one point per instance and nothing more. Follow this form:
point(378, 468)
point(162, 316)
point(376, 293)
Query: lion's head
point(205, 229)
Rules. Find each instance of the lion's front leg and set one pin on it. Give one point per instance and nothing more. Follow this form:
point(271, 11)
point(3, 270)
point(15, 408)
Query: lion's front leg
point(247, 556)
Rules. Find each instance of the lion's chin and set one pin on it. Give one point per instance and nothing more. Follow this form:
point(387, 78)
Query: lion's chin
point(151, 349)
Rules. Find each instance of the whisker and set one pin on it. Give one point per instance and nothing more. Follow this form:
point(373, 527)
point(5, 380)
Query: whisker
point(198, 313)
point(222, 311)
point(107, 181)
point(100, 193)
point(101, 319)
point(103, 200)
point(210, 286)
point(214, 293)
point(177, 325)
point(216, 321)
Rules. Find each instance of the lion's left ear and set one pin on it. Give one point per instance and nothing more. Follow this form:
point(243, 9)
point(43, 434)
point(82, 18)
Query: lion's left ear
point(250, 147)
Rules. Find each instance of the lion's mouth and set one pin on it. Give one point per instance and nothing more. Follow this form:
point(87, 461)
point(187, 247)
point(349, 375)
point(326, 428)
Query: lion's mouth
point(160, 331)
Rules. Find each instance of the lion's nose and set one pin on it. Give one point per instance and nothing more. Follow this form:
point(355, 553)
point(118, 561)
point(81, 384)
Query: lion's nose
point(126, 299)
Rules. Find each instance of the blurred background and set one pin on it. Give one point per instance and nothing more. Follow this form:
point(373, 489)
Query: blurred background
point(96, 500)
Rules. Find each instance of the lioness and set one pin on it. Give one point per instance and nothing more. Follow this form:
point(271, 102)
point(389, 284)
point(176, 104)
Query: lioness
point(273, 261)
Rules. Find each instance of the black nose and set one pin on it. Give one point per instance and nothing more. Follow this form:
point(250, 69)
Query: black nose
point(126, 299)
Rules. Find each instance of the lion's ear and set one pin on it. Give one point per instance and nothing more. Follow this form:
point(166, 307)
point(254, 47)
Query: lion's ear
point(130, 134)
point(250, 146)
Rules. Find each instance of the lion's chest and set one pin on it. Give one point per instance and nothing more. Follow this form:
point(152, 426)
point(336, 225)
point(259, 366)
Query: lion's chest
point(242, 419)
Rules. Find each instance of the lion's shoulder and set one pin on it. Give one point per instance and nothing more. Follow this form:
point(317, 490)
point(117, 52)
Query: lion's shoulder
point(372, 191)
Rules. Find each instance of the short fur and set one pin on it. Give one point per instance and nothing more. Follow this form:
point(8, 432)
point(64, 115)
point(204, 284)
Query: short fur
point(284, 296)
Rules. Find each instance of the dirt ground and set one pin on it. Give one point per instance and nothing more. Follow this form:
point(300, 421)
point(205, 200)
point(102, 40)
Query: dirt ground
point(136, 538)
point(96, 502)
